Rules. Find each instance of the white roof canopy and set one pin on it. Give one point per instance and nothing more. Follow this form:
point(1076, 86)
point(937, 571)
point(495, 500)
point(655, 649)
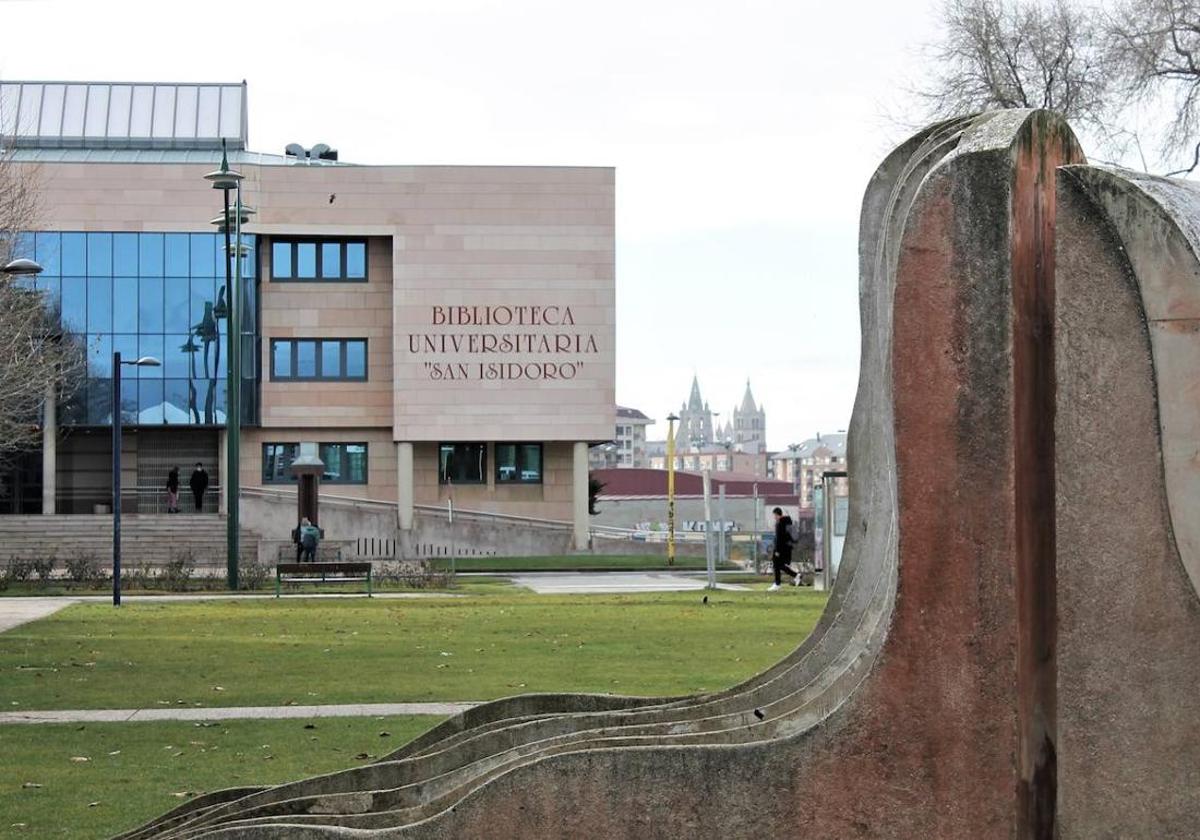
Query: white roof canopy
point(106, 115)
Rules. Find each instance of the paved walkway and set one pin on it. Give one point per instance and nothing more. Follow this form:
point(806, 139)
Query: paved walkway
point(233, 713)
point(555, 583)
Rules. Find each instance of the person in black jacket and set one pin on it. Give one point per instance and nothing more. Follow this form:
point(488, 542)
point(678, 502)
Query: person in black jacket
point(199, 483)
point(781, 557)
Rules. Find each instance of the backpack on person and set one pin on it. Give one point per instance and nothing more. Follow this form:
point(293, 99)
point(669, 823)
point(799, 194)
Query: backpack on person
point(793, 532)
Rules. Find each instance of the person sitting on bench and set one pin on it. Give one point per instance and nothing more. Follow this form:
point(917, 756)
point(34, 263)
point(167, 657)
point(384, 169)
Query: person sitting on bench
point(309, 536)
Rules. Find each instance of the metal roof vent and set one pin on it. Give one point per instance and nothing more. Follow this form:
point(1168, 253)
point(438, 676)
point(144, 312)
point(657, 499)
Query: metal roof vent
point(319, 153)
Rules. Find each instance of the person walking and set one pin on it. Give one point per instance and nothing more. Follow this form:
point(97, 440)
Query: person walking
point(199, 483)
point(781, 556)
point(173, 490)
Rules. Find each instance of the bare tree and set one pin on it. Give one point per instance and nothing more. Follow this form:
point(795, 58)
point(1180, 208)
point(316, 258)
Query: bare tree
point(1154, 49)
point(35, 357)
point(1018, 54)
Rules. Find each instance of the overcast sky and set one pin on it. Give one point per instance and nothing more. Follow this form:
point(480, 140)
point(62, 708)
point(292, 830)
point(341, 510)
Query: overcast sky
point(743, 134)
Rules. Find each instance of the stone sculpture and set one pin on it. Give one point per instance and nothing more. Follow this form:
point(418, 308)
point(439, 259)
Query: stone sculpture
point(960, 682)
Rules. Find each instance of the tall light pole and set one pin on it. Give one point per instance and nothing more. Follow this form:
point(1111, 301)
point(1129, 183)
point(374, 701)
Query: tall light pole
point(671, 418)
point(144, 361)
point(227, 181)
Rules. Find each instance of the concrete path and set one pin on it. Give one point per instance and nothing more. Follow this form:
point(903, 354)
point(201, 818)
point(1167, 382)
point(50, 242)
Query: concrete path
point(233, 713)
point(558, 583)
point(17, 611)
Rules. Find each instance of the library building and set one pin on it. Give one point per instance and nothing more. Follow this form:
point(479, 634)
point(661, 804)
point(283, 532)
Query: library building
point(437, 332)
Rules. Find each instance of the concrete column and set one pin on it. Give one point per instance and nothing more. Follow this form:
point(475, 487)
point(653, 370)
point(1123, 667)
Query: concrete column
point(223, 501)
point(579, 476)
point(404, 485)
point(49, 452)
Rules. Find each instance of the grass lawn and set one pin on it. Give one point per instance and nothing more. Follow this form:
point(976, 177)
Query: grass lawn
point(136, 771)
point(579, 563)
point(476, 647)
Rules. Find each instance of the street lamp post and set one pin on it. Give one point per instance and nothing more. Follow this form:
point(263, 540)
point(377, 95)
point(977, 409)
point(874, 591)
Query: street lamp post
point(227, 180)
point(671, 418)
point(144, 361)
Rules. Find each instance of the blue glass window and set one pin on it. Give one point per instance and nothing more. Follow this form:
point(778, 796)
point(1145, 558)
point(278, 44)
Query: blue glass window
point(281, 259)
point(150, 304)
point(150, 254)
point(150, 401)
point(180, 357)
point(99, 304)
point(151, 345)
point(356, 359)
point(281, 359)
point(74, 254)
point(100, 353)
point(99, 254)
point(125, 254)
point(306, 260)
point(149, 294)
point(175, 246)
point(52, 289)
point(125, 305)
point(356, 260)
point(331, 260)
point(306, 359)
point(331, 359)
point(74, 303)
point(324, 259)
point(182, 403)
point(175, 299)
point(48, 251)
point(127, 346)
point(203, 258)
point(334, 359)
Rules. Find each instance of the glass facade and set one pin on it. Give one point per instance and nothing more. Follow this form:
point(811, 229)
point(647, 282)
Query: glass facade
point(150, 294)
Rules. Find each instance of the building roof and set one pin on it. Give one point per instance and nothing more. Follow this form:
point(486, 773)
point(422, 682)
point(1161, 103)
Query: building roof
point(624, 413)
point(834, 444)
point(748, 406)
point(123, 115)
point(645, 482)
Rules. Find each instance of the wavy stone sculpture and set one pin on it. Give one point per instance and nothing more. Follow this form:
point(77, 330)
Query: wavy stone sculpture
point(1128, 462)
point(924, 703)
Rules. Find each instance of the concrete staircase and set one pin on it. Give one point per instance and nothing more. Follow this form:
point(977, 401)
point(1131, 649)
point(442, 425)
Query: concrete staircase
point(145, 538)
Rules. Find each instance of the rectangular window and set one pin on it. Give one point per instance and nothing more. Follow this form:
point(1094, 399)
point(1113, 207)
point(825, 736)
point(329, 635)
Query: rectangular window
point(345, 463)
point(518, 463)
point(327, 359)
point(319, 260)
point(462, 463)
point(277, 462)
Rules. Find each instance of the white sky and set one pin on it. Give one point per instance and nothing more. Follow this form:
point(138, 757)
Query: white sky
point(743, 134)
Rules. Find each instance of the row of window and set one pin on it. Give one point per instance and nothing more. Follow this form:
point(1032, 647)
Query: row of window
point(459, 463)
point(319, 259)
point(466, 463)
point(307, 359)
point(130, 254)
point(345, 463)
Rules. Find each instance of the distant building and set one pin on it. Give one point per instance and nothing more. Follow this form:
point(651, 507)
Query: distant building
point(628, 447)
point(803, 464)
point(749, 427)
point(724, 458)
point(745, 427)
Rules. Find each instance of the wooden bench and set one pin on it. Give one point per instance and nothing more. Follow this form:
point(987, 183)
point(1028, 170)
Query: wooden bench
point(321, 573)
